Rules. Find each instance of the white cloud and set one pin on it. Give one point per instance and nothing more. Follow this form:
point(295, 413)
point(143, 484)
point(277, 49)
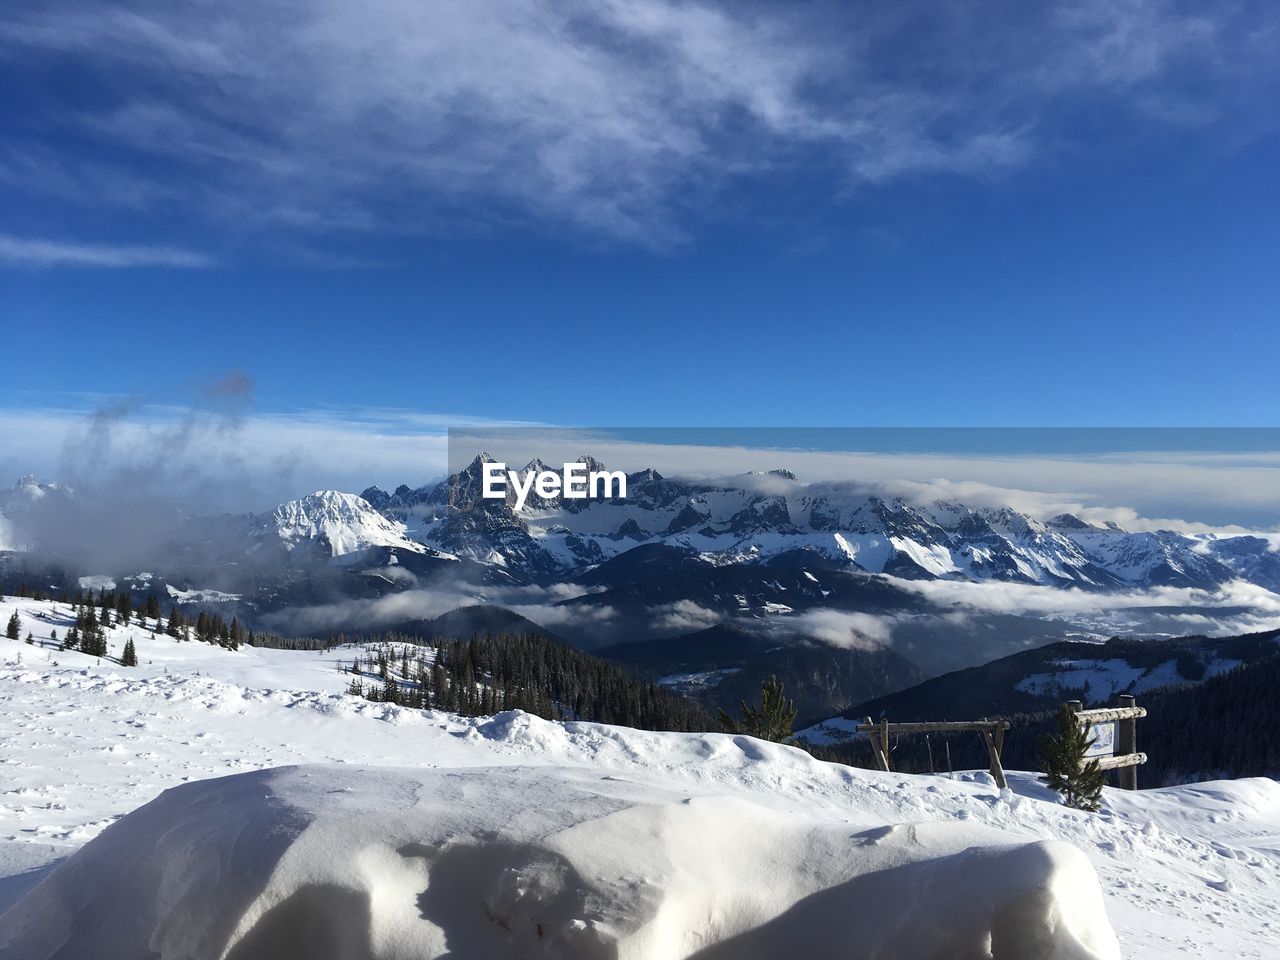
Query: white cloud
point(683, 616)
point(1236, 608)
point(28, 252)
point(372, 615)
point(553, 617)
point(217, 459)
point(617, 118)
point(840, 628)
point(536, 603)
point(1037, 600)
point(1189, 491)
point(272, 456)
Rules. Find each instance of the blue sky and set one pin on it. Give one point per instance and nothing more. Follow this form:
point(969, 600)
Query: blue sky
point(645, 213)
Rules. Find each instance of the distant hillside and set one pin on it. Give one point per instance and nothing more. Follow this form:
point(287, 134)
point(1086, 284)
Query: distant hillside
point(478, 620)
point(1226, 726)
point(725, 664)
point(1040, 679)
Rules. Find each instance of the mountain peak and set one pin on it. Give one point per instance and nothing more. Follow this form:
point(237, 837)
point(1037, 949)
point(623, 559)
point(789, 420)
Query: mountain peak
point(345, 522)
point(1069, 521)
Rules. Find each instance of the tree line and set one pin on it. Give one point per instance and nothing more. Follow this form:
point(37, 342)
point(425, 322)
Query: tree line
point(489, 674)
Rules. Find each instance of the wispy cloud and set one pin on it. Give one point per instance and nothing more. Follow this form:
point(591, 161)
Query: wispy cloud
point(29, 252)
point(1030, 598)
point(842, 628)
point(1186, 490)
point(252, 458)
point(620, 119)
point(1237, 607)
point(223, 457)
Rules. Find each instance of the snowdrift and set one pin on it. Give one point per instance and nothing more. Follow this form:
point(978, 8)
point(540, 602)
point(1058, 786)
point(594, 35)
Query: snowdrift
point(344, 863)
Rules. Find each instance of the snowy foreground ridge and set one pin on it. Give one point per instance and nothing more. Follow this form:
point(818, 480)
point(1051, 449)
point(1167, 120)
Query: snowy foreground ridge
point(217, 804)
point(346, 864)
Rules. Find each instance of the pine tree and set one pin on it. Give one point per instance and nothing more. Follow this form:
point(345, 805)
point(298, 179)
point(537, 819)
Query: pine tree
point(129, 658)
point(772, 720)
point(30, 639)
point(14, 630)
point(1065, 767)
point(391, 691)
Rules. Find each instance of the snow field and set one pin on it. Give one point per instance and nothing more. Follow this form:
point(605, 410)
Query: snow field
point(1189, 871)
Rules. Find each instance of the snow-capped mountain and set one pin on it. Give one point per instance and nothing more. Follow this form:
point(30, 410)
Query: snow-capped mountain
point(753, 521)
point(19, 502)
point(339, 523)
point(29, 490)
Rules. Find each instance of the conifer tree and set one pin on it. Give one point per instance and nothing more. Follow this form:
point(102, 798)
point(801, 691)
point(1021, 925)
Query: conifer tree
point(30, 639)
point(14, 630)
point(1065, 767)
point(772, 720)
point(129, 658)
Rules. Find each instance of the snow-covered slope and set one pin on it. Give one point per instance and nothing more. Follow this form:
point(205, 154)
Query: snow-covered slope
point(340, 523)
point(638, 817)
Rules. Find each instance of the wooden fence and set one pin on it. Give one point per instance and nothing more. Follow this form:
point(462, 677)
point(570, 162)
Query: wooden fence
point(1118, 752)
point(991, 732)
point(1115, 749)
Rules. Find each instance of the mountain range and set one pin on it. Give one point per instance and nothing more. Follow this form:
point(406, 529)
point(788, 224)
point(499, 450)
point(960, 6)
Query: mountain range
point(769, 517)
point(707, 586)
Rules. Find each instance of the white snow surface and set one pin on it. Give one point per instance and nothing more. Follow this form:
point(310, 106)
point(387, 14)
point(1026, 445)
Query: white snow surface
point(1107, 677)
point(404, 833)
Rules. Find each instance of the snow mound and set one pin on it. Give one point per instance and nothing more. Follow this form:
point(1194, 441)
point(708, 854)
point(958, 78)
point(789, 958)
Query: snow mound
point(342, 863)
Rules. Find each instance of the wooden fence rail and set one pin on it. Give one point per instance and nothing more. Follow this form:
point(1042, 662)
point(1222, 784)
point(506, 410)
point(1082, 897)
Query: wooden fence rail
point(991, 732)
point(1126, 759)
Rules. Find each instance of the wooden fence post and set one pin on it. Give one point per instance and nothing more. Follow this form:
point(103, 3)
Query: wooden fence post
point(873, 735)
point(1126, 743)
point(991, 732)
point(997, 768)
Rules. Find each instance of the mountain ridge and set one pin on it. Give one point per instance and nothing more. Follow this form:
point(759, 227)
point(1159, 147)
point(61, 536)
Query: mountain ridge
point(758, 516)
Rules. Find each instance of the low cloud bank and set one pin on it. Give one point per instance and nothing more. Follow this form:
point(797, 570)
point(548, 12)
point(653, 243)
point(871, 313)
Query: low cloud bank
point(541, 604)
point(839, 628)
